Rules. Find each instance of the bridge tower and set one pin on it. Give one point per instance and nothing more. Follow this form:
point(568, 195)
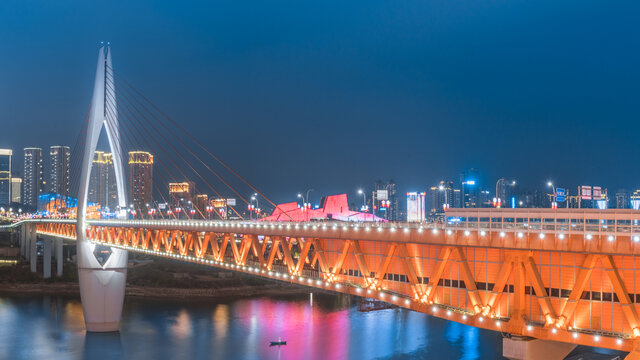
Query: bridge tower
point(102, 283)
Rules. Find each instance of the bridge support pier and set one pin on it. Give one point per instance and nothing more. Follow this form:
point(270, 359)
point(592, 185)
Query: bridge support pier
point(530, 349)
point(101, 287)
point(59, 257)
point(32, 241)
point(23, 241)
point(46, 258)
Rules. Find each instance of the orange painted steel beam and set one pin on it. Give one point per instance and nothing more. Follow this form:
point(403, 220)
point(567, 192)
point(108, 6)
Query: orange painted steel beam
point(469, 280)
point(410, 271)
point(569, 307)
point(303, 256)
point(434, 279)
point(337, 267)
point(275, 242)
point(538, 287)
point(382, 271)
point(618, 286)
point(322, 259)
point(361, 262)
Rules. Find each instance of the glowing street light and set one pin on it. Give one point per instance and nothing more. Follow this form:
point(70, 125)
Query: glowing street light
point(554, 203)
point(364, 200)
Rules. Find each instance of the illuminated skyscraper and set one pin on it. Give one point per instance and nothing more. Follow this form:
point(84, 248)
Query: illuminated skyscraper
point(102, 183)
point(33, 182)
point(415, 207)
point(442, 196)
point(5, 176)
point(470, 188)
point(16, 188)
point(140, 179)
point(181, 193)
point(60, 177)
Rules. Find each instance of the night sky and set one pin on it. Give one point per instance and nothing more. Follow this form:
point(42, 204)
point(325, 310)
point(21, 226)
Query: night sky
point(336, 94)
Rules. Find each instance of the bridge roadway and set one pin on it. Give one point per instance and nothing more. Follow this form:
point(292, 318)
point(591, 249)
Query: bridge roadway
point(567, 275)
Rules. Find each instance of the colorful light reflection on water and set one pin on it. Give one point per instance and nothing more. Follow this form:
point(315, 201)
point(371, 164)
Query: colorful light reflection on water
point(51, 327)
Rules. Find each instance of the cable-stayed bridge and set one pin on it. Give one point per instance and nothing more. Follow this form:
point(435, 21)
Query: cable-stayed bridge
point(542, 277)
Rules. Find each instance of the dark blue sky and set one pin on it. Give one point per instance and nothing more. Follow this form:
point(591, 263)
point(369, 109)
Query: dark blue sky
point(335, 94)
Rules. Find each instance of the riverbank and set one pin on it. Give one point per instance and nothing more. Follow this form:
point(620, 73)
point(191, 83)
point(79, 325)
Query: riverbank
point(158, 279)
point(71, 289)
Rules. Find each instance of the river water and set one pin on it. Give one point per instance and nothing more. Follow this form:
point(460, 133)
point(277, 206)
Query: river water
point(327, 327)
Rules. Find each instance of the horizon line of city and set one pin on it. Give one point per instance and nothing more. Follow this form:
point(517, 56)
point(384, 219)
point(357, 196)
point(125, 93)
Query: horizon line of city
point(382, 199)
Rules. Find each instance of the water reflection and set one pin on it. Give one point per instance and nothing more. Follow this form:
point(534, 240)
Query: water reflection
point(52, 327)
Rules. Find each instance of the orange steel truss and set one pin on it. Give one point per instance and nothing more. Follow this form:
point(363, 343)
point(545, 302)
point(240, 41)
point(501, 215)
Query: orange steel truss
point(563, 293)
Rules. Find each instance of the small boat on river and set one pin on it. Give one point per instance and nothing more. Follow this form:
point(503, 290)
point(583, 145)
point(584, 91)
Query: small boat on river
point(277, 343)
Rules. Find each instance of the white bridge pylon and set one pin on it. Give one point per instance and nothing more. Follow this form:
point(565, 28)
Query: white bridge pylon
point(102, 286)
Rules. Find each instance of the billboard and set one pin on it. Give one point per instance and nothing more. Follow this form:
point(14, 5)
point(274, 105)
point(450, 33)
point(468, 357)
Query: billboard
point(231, 202)
point(382, 194)
point(415, 206)
point(596, 192)
point(585, 192)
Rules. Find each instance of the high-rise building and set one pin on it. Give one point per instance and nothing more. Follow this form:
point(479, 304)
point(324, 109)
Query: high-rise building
point(457, 198)
point(140, 179)
point(181, 193)
point(103, 189)
point(635, 200)
point(441, 196)
point(484, 199)
point(470, 188)
point(622, 199)
point(200, 203)
point(16, 188)
point(415, 207)
point(60, 175)
point(5, 176)
point(33, 182)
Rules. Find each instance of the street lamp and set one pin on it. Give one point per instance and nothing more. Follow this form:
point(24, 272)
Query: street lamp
point(446, 200)
point(554, 204)
point(364, 200)
point(305, 199)
point(254, 197)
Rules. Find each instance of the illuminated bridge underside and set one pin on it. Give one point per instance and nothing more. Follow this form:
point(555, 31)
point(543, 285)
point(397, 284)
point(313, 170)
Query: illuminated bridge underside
point(576, 287)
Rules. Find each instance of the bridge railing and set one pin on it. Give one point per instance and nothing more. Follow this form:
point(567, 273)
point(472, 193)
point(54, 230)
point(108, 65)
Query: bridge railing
point(546, 220)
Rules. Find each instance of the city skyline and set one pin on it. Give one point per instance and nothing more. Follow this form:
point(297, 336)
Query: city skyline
point(429, 105)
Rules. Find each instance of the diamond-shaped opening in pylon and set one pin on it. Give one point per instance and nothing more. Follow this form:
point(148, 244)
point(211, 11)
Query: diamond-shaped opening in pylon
point(102, 254)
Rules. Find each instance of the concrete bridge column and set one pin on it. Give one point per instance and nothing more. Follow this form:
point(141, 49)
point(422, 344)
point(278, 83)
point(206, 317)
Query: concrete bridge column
point(531, 349)
point(23, 242)
point(59, 255)
point(27, 241)
point(46, 257)
point(33, 254)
